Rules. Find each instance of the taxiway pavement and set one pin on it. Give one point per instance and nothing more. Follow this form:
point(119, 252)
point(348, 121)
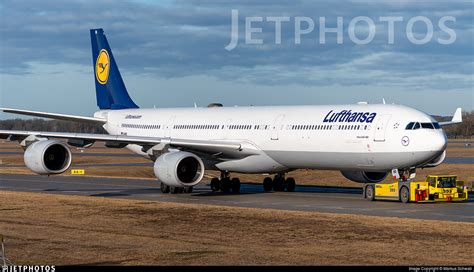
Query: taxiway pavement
point(305, 198)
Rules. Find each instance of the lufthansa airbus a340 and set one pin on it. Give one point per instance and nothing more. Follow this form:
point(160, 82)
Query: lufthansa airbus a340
point(365, 142)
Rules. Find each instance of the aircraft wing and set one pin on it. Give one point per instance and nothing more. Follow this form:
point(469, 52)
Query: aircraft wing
point(58, 116)
point(229, 149)
point(457, 118)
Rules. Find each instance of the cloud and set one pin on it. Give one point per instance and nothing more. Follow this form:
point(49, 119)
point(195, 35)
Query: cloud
point(182, 39)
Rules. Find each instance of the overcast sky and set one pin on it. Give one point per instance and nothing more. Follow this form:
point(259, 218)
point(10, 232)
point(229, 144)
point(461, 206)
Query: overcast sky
point(172, 54)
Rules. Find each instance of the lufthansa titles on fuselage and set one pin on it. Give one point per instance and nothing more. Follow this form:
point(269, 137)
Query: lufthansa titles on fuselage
point(349, 116)
point(133, 116)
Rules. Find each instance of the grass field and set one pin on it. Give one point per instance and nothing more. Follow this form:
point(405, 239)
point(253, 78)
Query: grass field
point(58, 229)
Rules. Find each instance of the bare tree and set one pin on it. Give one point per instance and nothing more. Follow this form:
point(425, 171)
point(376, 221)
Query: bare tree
point(463, 130)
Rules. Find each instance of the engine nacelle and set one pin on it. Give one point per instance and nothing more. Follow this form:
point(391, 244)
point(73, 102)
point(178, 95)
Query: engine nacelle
point(179, 169)
point(435, 162)
point(48, 157)
point(364, 176)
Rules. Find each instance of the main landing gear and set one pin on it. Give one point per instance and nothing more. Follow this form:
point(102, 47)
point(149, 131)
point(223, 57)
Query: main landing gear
point(175, 190)
point(225, 184)
point(279, 183)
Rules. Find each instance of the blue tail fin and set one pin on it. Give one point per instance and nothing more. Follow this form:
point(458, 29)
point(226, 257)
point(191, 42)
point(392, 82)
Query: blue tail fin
point(110, 89)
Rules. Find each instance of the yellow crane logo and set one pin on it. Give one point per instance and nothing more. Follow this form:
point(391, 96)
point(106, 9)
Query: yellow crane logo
point(102, 66)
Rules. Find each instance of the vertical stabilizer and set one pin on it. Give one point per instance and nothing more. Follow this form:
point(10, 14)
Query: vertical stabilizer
point(110, 90)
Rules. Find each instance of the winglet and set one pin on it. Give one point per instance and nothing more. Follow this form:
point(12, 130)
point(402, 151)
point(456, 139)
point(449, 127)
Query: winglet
point(457, 118)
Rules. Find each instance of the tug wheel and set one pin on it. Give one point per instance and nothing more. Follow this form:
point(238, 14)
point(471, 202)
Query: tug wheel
point(370, 192)
point(404, 195)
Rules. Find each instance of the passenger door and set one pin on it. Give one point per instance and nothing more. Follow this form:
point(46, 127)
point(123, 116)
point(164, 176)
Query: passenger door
point(381, 128)
point(276, 127)
point(169, 127)
point(227, 132)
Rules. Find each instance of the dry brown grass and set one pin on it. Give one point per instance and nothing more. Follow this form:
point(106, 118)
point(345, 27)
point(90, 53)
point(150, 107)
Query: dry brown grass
point(58, 229)
point(462, 140)
point(460, 152)
point(458, 144)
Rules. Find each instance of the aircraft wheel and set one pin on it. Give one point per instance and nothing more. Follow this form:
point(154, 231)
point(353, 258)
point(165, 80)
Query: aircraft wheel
point(188, 189)
point(370, 192)
point(290, 184)
point(226, 185)
point(215, 184)
point(235, 185)
point(404, 195)
point(164, 188)
point(278, 184)
point(267, 184)
point(174, 190)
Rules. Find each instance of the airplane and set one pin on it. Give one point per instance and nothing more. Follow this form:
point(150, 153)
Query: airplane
point(363, 141)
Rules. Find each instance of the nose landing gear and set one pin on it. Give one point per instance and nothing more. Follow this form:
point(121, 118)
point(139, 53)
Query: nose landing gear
point(279, 183)
point(404, 174)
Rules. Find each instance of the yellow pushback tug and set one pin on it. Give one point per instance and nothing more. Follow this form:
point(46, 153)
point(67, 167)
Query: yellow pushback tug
point(437, 188)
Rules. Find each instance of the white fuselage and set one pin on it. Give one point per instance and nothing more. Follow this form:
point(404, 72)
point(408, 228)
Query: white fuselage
point(369, 137)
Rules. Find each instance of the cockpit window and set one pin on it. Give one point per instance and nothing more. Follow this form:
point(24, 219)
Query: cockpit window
point(427, 125)
point(416, 125)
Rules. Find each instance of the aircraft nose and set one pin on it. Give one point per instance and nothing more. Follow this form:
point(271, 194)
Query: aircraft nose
point(439, 142)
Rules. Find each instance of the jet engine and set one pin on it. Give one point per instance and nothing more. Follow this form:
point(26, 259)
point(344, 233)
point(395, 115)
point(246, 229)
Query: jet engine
point(364, 177)
point(179, 169)
point(48, 157)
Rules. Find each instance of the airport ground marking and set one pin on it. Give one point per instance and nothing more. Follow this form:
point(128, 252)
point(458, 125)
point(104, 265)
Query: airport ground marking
point(78, 171)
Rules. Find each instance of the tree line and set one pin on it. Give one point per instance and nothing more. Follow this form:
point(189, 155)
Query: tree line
point(463, 130)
